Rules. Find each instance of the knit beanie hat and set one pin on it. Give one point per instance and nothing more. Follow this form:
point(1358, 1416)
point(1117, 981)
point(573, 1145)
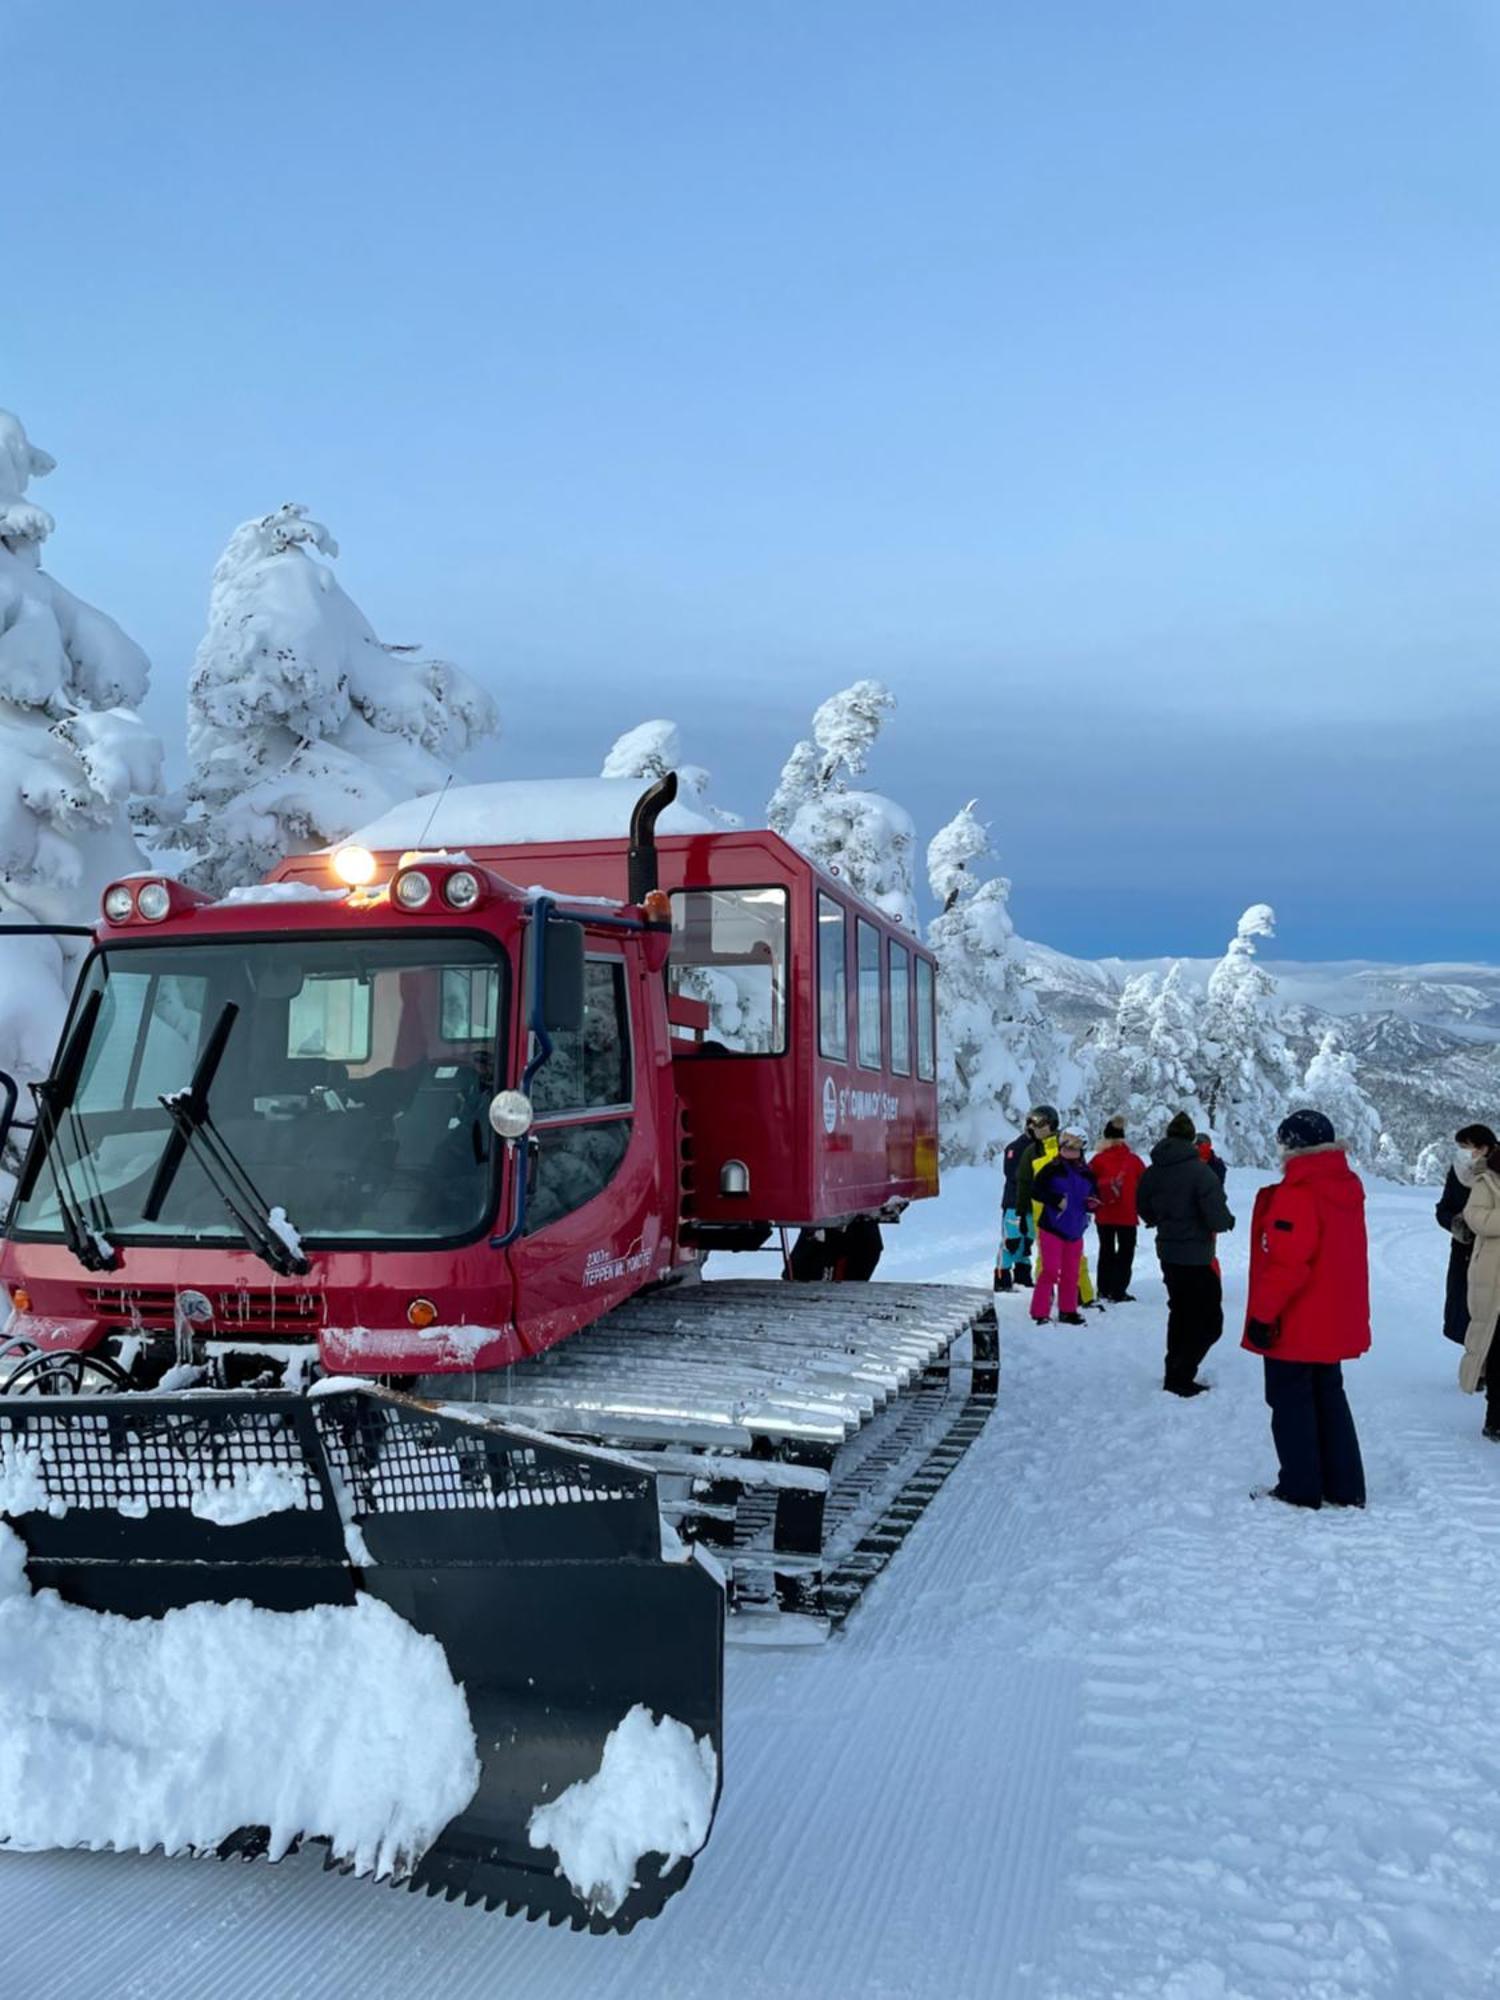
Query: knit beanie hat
point(1115, 1129)
point(1182, 1127)
point(1304, 1129)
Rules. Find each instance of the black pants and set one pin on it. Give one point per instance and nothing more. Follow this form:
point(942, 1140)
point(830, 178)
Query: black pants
point(1492, 1384)
point(1195, 1319)
point(1116, 1259)
point(1314, 1434)
point(1456, 1297)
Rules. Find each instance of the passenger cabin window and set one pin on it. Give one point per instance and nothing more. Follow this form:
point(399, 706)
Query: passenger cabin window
point(833, 980)
point(867, 994)
point(926, 1027)
point(900, 1009)
point(470, 1004)
point(729, 952)
point(582, 1098)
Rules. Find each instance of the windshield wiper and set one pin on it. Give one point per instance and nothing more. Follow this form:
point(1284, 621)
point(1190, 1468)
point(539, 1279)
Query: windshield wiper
point(54, 1096)
point(193, 1131)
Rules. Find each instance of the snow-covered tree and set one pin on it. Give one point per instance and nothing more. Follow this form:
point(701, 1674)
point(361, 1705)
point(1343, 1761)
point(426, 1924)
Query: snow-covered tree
point(1117, 1056)
point(302, 724)
point(994, 1045)
point(650, 751)
point(1244, 1069)
point(73, 757)
point(1432, 1165)
point(1332, 1086)
point(863, 837)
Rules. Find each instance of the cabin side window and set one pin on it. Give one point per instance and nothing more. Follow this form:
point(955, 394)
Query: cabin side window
point(900, 1009)
point(833, 979)
point(729, 953)
point(867, 993)
point(926, 1026)
point(582, 1096)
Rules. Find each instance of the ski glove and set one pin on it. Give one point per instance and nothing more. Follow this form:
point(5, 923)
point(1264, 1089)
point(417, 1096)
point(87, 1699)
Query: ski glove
point(1262, 1334)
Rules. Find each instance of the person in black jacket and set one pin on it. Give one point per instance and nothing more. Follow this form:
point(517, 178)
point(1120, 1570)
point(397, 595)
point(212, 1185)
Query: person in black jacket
point(1013, 1265)
point(1450, 1214)
point(1181, 1198)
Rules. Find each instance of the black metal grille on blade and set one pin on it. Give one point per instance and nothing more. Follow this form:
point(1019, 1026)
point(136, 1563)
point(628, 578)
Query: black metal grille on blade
point(134, 1458)
point(398, 1460)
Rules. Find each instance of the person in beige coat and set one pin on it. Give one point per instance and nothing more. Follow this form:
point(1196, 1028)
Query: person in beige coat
point(1481, 1355)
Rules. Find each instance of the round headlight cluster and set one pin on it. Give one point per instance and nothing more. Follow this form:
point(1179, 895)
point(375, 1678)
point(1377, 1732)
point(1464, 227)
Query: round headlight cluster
point(119, 904)
point(413, 890)
point(461, 890)
point(153, 900)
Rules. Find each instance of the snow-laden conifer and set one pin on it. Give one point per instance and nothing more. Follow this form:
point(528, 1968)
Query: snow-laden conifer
point(650, 751)
point(1244, 1068)
point(993, 1043)
point(863, 837)
point(302, 724)
point(1332, 1085)
point(74, 756)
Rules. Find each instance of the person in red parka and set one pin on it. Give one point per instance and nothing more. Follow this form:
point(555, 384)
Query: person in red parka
point(1309, 1312)
point(1117, 1171)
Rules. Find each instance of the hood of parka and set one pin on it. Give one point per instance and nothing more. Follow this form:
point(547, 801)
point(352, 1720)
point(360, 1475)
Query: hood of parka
point(1327, 1168)
point(1174, 1152)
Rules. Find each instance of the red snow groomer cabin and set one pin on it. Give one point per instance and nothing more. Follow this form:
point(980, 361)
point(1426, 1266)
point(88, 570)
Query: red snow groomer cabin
point(802, 1025)
point(465, 1107)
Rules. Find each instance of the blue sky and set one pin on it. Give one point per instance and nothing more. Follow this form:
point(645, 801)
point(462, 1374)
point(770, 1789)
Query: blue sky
point(1114, 379)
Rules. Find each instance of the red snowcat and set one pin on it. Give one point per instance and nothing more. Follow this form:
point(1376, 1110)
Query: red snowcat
point(396, 1119)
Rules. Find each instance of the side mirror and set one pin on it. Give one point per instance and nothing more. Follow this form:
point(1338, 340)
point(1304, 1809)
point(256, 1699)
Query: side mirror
point(562, 977)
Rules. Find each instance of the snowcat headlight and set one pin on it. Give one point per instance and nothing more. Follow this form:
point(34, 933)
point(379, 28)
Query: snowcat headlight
point(354, 866)
point(511, 1114)
point(461, 890)
point(153, 900)
point(119, 903)
point(413, 890)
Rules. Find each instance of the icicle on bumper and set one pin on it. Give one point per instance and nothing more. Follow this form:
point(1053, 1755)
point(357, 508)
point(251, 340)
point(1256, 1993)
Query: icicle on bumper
point(145, 1733)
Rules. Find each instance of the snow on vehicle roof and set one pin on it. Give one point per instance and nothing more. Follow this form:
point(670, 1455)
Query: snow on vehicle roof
point(520, 814)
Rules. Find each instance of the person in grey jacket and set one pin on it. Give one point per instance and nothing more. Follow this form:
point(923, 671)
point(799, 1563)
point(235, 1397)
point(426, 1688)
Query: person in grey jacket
point(1181, 1198)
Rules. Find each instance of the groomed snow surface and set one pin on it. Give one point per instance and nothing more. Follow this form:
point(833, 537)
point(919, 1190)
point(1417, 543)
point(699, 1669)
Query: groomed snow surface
point(1104, 1728)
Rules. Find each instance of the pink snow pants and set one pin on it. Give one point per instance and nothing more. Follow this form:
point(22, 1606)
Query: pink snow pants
point(1060, 1263)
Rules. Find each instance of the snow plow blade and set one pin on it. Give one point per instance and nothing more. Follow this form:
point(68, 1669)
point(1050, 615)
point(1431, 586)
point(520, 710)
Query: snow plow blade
point(536, 1567)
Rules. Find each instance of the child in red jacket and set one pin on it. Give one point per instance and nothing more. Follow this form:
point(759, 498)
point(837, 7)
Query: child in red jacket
point(1309, 1312)
point(1117, 1171)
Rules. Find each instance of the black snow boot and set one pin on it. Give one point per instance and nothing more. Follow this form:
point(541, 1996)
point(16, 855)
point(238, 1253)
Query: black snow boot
point(1071, 1319)
point(1023, 1277)
point(1492, 1431)
point(1187, 1388)
point(1005, 1281)
point(1275, 1493)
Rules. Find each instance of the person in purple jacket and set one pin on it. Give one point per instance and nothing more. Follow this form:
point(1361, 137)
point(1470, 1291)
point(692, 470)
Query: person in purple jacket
point(1069, 1195)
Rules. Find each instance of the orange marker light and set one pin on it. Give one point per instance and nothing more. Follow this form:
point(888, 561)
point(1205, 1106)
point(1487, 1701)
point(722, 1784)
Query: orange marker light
point(20, 1298)
point(421, 1313)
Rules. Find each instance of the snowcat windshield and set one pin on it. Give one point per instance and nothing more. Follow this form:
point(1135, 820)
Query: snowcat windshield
point(353, 1088)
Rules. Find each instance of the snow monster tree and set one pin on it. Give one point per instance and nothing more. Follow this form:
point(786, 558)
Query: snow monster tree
point(862, 837)
point(73, 757)
point(302, 724)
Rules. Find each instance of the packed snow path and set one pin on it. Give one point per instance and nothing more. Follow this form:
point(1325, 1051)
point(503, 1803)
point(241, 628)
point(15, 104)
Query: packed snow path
point(1103, 1729)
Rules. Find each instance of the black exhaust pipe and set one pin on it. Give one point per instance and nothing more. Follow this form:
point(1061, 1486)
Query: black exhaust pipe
point(649, 807)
